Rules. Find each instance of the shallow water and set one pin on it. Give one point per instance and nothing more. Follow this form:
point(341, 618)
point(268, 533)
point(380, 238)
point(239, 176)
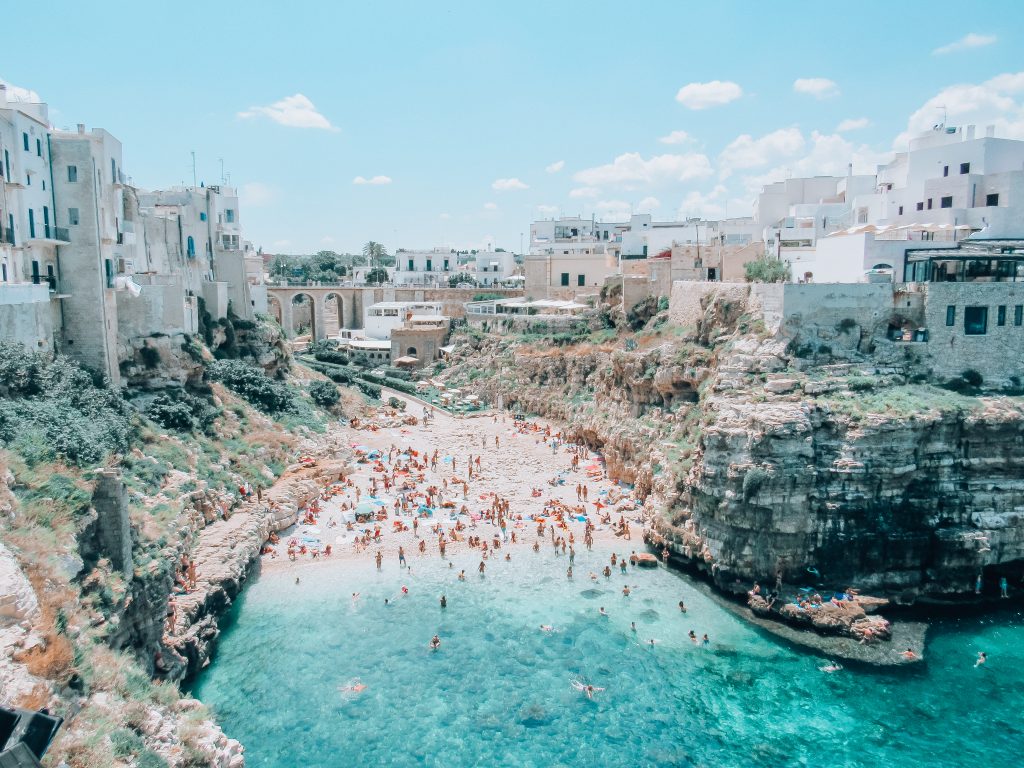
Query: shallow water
point(499, 691)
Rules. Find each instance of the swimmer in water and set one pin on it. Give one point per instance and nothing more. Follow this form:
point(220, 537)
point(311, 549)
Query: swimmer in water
point(435, 642)
point(625, 591)
point(831, 667)
point(353, 686)
point(546, 628)
point(462, 575)
point(651, 642)
point(693, 636)
point(603, 612)
point(909, 654)
point(444, 601)
point(355, 596)
point(982, 658)
point(586, 689)
point(632, 626)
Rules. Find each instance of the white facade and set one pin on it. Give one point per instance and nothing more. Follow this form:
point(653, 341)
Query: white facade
point(381, 318)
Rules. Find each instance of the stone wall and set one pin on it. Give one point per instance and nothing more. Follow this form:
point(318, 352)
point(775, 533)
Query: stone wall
point(113, 530)
point(26, 316)
point(685, 308)
point(998, 354)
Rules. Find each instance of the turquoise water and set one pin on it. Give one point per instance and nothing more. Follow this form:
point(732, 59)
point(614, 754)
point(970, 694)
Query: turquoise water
point(499, 691)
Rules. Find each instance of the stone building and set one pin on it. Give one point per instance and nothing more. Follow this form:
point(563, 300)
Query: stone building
point(419, 339)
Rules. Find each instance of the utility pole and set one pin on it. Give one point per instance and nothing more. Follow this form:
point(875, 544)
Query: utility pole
point(194, 183)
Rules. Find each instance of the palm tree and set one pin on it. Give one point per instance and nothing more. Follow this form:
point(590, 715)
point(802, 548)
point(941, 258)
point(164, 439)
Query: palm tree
point(375, 252)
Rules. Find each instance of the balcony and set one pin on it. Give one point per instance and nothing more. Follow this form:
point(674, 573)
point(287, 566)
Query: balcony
point(51, 236)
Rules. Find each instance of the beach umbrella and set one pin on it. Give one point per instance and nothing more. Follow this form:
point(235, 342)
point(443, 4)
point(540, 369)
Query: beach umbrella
point(374, 454)
point(423, 509)
point(366, 508)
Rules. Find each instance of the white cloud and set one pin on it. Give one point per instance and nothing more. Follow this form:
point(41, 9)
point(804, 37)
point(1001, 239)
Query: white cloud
point(676, 137)
point(829, 155)
point(24, 95)
point(374, 180)
point(712, 94)
point(648, 205)
point(445, 216)
point(996, 101)
point(631, 168)
point(818, 87)
point(490, 206)
point(327, 240)
point(555, 167)
point(504, 185)
point(747, 152)
point(547, 210)
point(853, 124)
point(255, 194)
point(965, 43)
point(614, 209)
point(292, 111)
point(584, 192)
point(708, 205)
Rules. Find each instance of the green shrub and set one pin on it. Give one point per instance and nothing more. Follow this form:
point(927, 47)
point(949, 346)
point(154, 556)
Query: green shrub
point(324, 393)
point(394, 402)
point(972, 377)
point(860, 383)
point(252, 384)
point(766, 270)
point(181, 411)
point(150, 356)
point(55, 409)
point(753, 481)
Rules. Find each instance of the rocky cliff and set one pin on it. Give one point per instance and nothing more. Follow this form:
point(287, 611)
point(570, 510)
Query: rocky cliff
point(756, 461)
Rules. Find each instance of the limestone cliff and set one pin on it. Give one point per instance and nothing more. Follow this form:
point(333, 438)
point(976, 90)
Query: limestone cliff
point(757, 460)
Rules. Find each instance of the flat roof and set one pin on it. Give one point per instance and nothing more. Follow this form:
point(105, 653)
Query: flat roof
point(370, 344)
point(403, 304)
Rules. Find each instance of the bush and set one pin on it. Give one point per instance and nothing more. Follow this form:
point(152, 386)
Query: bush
point(150, 356)
point(252, 384)
point(181, 411)
point(397, 404)
point(753, 481)
point(766, 270)
point(972, 377)
point(55, 409)
point(860, 383)
point(324, 393)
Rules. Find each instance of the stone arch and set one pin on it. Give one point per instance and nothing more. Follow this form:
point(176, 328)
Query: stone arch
point(303, 313)
point(334, 313)
point(275, 310)
point(411, 351)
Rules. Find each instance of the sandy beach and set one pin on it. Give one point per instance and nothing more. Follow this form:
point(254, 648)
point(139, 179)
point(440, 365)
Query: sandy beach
point(514, 458)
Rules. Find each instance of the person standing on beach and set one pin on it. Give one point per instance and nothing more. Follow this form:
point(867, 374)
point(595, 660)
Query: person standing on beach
point(481, 568)
point(379, 558)
point(401, 557)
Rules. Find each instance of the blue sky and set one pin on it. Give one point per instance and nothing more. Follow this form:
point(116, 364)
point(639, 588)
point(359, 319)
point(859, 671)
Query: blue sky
point(579, 107)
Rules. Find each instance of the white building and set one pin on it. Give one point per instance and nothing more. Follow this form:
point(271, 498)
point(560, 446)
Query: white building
point(948, 186)
point(381, 318)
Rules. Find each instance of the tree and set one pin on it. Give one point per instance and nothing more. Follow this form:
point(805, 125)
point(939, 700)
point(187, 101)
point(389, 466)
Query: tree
point(377, 276)
point(461, 278)
point(375, 252)
point(766, 270)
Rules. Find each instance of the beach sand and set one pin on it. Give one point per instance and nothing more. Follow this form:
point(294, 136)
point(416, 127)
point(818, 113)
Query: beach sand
point(519, 463)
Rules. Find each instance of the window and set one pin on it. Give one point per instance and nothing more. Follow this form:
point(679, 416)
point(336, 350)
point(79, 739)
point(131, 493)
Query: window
point(191, 246)
point(108, 268)
point(35, 273)
point(929, 203)
point(1001, 314)
point(430, 265)
point(31, 223)
point(1018, 314)
point(951, 315)
point(446, 265)
point(992, 200)
point(901, 211)
point(946, 202)
point(920, 206)
point(202, 215)
point(945, 170)
point(7, 163)
point(581, 280)
point(975, 321)
point(412, 266)
point(229, 215)
point(24, 141)
point(965, 168)
point(565, 278)
point(73, 217)
point(39, 148)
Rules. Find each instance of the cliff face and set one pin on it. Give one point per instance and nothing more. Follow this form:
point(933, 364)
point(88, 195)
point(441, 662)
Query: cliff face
point(905, 504)
point(755, 461)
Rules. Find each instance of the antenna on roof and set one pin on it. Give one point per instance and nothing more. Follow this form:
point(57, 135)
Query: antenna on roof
point(944, 114)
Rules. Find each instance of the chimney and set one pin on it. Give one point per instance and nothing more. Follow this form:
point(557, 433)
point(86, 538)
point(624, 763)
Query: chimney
point(970, 133)
point(81, 127)
point(990, 131)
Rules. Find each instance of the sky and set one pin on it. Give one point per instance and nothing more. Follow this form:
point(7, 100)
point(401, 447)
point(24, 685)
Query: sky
point(423, 124)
